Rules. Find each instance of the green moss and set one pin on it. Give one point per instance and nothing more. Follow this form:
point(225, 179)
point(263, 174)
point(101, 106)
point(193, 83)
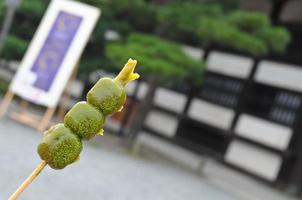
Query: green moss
point(84, 120)
point(107, 95)
point(59, 147)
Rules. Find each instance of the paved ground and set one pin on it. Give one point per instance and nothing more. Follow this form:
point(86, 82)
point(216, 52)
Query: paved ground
point(102, 173)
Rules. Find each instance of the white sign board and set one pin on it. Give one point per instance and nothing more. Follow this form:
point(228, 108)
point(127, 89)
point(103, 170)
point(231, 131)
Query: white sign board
point(54, 51)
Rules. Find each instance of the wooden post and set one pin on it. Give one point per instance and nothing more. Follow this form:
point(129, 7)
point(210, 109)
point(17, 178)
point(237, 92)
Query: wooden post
point(62, 108)
point(5, 102)
point(23, 106)
point(46, 119)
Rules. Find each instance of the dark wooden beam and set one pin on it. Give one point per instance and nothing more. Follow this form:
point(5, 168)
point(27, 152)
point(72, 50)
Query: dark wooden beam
point(277, 7)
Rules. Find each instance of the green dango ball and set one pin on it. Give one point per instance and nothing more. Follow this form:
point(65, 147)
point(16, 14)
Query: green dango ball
point(107, 95)
point(59, 147)
point(84, 120)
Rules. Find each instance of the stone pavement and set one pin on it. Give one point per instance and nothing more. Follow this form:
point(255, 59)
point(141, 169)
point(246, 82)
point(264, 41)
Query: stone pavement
point(102, 173)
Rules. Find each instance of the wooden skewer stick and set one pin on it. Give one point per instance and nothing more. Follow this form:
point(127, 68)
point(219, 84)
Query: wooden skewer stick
point(28, 181)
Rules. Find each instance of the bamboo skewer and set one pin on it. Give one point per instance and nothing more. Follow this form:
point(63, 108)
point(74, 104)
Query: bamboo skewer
point(28, 181)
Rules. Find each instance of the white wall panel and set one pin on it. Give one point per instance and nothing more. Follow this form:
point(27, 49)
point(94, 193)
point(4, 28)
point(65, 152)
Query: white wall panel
point(193, 52)
point(212, 114)
point(230, 65)
point(280, 75)
point(162, 123)
point(142, 90)
point(263, 131)
point(254, 159)
point(130, 87)
point(170, 100)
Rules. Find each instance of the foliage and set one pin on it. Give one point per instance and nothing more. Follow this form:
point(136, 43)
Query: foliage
point(247, 31)
point(227, 5)
point(120, 16)
point(2, 11)
point(182, 15)
point(208, 23)
point(277, 38)
point(219, 32)
point(137, 13)
point(259, 26)
point(179, 20)
point(248, 21)
point(157, 57)
point(133, 14)
point(34, 8)
point(28, 17)
point(14, 48)
point(3, 86)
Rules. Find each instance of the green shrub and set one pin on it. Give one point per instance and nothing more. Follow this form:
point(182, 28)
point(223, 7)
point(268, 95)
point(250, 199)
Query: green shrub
point(213, 30)
point(33, 8)
point(124, 6)
point(14, 48)
point(27, 18)
point(203, 20)
point(249, 43)
point(219, 32)
point(3, 86)
point(156, 57)
point(248, 21)
point(178, 21)
point(2, 11)
point(227, 5)
point(183, 15)
point(277, 38)
point(123, 16)
point(139, 15)
point(246, 31)
point(143, 18)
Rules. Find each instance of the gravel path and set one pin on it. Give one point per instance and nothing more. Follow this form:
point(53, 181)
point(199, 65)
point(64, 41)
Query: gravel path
point(100, 174)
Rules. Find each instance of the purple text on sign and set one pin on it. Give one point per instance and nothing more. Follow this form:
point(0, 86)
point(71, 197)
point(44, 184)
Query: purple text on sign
point(54, 49)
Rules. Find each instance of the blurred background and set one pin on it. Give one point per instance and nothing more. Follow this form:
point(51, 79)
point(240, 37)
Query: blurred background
point(216, 113)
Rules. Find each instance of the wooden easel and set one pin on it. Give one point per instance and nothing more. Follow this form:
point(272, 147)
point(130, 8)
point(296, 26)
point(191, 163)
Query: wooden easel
point(62, 108)
point(36, 121)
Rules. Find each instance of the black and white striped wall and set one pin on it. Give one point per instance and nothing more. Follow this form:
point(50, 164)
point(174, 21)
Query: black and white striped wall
point(245, 114)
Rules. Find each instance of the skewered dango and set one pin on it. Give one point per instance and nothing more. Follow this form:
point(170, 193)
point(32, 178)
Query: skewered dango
point(61, 144)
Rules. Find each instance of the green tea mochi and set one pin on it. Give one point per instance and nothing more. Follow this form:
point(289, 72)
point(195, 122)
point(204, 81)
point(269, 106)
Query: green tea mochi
point(107, 95)
point(59, 147)
point(84, 120)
